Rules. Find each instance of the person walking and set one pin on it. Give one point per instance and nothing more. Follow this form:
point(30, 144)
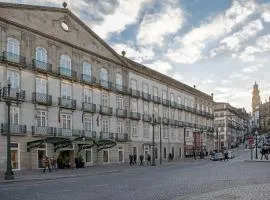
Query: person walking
point(141, 160)
point(148, 159)
point(130, 159)
point(46, 164)
point(135, 158)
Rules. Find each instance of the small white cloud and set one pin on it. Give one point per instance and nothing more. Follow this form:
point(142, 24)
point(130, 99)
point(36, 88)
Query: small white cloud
point(265, 12)
point(248, 54)
point(160, 66)
point(226, 81)
point(253, 68)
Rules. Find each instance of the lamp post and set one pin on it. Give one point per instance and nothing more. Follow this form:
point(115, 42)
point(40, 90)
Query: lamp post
point(5, 96)
point(218, 139)
point(160, 145)
point(256, 135)
point(154, 122)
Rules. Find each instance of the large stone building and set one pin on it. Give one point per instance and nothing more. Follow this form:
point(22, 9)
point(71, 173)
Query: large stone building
point(264, 118)
point(231, 125)
point(78, 96)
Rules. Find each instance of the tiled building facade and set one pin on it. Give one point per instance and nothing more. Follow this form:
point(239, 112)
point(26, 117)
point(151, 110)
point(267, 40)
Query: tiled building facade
point(79, 96)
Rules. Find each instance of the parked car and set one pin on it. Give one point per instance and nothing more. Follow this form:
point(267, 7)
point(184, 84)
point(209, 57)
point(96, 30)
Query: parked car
point(217, 157)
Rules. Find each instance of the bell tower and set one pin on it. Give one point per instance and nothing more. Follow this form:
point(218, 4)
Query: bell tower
point(256, 99)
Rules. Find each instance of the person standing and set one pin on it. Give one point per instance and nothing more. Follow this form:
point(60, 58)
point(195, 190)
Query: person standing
point(46, 164)
point(141, 160)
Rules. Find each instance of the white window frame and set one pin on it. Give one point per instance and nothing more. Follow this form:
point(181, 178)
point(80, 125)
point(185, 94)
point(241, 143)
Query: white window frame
point(119, 127)
point(41, 54)
point(146, 130)
point(145, 107)
point(145, 88)
point(103, 75)
point(87, 95)
point(91, 161)
point(134, 131)
point(179, 100)
point(118, 80)
point(13, 46)
point(88, 123)
point(14, 110)
point(155, 109)
point(155, 91)
point(66, 91)
point(105, 126)
point(41, 85)
point(104, 99)
point(164, 95)
point(14, 78)
point(65, 118)
point(172, 97)
point(43, 116)
point(120, 102)
point(134, 105)
point(65, 62)
point(133, 84)
point(87, 68)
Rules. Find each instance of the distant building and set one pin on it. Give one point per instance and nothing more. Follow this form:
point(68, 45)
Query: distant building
point(264, 117)
point(256, 99)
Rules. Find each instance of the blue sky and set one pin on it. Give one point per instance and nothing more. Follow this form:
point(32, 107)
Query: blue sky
point(221, 46)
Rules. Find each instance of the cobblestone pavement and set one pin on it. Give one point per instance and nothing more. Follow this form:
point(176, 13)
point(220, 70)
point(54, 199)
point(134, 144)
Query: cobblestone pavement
point(173, 182)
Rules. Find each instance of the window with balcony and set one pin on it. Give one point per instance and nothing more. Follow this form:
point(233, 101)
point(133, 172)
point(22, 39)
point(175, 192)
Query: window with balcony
point(66, 121)
point(145, 88)
point(186, 102)
point(41, 118)
point(104, 99)
point(165, 132)
point(172, 97)
point(179, 100)
point(65, 91)
point(14, 115)
point(165, 112)
point(134, 105)
point(134, 130)
point(164, 95)
point(14, 79)
point(41, 55)
point(155, 91)
point(156, 132)
point(119, 81)
point(87, 93)
point(105, 126)
point(191, 103)
point(146, 130)
point(146, 108)
point(87, 123)
point(179, 115)
point(120, 127)
point(133, 84)
point(87, 69)
point(13, 46)
point(120, 102)
point(155, 109)
point(103, 76)
point(198, 106)
point(41, 85)
point(65, 65)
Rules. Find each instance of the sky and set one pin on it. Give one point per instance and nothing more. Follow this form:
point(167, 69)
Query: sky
point(221, 46)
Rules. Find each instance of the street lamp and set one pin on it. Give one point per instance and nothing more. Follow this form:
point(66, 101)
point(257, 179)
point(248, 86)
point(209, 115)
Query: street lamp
point(218, 138)
point(5, 96)
point(256, 135)
point(154, 122)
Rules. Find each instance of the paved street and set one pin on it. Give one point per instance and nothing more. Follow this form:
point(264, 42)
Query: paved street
point(201, 179)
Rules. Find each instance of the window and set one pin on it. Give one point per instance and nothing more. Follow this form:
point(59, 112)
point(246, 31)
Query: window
point(87, 122)
point(105, 126)
point(105, 155)
point(191, 104)
point(179, 100)
point(87, 95)
point(165, 112)
point(13, 46)
point(155, 109)
point(155, 91)
point(41, 85)
point(104, 99)
point(87, 69)
point(41, 153)
point(66, 121)
point(103, 74)
point(145, 88)
point(146, 130)
point(119, 102)
point(146, 108)
point(165, 132)
point(156, 132)
point(134, 106)
point(41, 54)
point(133, 84)
point(172, 97)
point(14, 115)
point(119, 81)
point(120, 128)
point(134, 130)
point(146, 152)
point(15, 156)
point(65, 91)
point(186, 102)
point(65, 64)
point(179, 115)
point(41, 118)
point(120, 154)
point(164, 95)
point(88, 156)
point(14, 79)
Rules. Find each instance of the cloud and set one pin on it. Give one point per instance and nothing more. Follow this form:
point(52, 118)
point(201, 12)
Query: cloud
point(253, 68)
point(133, 53)
point(154, 27)
point(226, 81)
point(265, 12)
point(160, 66)
point(193, 43)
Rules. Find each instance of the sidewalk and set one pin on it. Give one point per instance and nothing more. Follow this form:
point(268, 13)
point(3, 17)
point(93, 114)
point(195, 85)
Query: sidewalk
point(37, 174)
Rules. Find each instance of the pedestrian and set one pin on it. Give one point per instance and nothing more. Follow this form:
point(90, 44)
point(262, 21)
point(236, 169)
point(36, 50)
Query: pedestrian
point(264, 152)
point(135, 158)
point(141, 160)
point(53, 163)
point(46, 164)
point(148, 159)
point(226, 156)
point(130, 159)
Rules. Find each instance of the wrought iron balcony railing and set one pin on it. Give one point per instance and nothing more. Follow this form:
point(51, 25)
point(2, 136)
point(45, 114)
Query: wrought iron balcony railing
point(89, 107)
point(146, 96)
point(67, 103)
point(78, 133)
point(44, 131)
point(91, 134)
point(135, 115)
point(165, 102)
point(105, 84)
point(181, 124)
point(88, 79)
point(189, 109)
point(43, 99)
point(106, 110)
point(134, 93)
point(41, 66)
point(122, 137)
point(13, 94)
point(14, 58)
point(15, 129)
point(70, 132)
point(121, 113)
point(106, 136)
point(173, 104)
point(121, 89)
point(166, 121)
point(147, 118)
point(156, 99)
point(67, 73)
point(174, 122)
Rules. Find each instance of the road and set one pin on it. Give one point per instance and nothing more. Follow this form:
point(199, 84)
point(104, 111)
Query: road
point(179, 181)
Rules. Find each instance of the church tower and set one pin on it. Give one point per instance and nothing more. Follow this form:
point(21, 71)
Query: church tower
point(256, 99)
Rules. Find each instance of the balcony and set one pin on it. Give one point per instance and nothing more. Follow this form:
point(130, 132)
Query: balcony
point(135, 115)
point(188, 124)
point(173, 104)
point(70, 132)
point(67, 103)
point(122, 137)
point(44, 131)
point(13, 58)
point(156, 99)
point(43, 99)
point(174, 122)
point(189, 109)
point(41, 66)
point(166, 121)
point(15, 129)
point(219, 124)
point(121, 113)
point(146, 96)
point(91, 134)
point(90, 80)
point(105, 84)
point(78, 133)
point(13, 94)
point(106, 110)
point(89, 107)
point(165, 102)
point(181, 124)
point(180, 106)
point(121, 89)
point(134, 93)
point(147, 118)
point(106, 136)
point(67, 73)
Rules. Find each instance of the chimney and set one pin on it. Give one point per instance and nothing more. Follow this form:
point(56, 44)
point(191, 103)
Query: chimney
point(194, 86)
point(123, 53)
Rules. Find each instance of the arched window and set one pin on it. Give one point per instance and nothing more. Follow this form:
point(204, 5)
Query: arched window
point(119, 81)
point(103, 77)
point(41, 54)
point(13, 50)
point(65, 65)
point(87, 69)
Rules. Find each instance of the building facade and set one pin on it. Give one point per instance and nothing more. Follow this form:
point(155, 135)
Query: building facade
point(264, 118)
point(256, 99)
point(231, 125)
point(79, 97)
